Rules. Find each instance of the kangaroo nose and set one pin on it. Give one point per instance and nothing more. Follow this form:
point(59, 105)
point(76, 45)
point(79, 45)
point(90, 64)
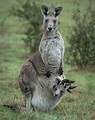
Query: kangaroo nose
point(49, 28)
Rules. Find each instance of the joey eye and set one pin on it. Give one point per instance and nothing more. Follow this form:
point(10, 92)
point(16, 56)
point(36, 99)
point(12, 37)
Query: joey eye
point(54, 21)
point(54, 87)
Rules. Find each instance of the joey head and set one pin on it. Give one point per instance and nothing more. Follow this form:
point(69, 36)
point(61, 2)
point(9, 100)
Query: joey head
point(61, 87)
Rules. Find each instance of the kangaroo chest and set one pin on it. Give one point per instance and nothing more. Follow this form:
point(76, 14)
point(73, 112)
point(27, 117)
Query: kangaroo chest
point(52, 52)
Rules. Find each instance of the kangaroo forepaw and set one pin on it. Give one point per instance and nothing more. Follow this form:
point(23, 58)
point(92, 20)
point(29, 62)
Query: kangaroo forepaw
point(71, 87)
point(67, 81)
point(67, 84)
point(48, 74)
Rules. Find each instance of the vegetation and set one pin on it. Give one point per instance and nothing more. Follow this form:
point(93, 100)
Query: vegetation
point(31, 12)
point(80, 105)
point(81, 38)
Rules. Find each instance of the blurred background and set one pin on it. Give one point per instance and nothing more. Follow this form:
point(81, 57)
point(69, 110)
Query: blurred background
point(20, 34)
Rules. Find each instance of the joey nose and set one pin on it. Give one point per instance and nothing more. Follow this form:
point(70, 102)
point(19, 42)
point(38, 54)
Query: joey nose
point(50, 28)
point(56, 95)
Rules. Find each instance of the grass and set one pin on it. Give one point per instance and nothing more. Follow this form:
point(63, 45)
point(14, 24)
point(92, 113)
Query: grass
point(80, 105)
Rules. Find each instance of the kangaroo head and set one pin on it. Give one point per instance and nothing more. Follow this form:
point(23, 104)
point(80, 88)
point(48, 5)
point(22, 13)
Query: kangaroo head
point(50, 21)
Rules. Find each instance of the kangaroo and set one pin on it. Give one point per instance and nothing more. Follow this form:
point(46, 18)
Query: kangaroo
point(39, 74)
point(55, 94)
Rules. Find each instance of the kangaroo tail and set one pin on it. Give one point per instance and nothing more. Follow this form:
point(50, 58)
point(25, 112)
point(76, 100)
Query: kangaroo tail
point(12, 107)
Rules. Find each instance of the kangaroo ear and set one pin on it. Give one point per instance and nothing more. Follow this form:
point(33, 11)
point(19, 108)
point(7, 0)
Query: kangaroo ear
point(44, 10)
point(57, 11)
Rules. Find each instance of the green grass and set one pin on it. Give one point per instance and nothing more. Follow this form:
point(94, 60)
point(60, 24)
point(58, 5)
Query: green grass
point(80, 105)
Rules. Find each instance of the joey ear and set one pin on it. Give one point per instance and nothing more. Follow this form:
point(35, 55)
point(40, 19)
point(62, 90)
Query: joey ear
point(67, 81)
point(62, 82)
point(54, 86)
point(58, 80)
point(44, 10)
point(57, 11)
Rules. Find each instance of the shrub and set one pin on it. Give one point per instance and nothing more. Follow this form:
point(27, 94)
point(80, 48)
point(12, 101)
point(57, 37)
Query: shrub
point(30, 11)
point(81, 50)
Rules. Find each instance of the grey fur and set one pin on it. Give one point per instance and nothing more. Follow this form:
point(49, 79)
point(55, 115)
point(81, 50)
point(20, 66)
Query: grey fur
point(39, 74)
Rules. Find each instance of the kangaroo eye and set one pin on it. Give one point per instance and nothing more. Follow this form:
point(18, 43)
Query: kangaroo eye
point(54, 21)
point(46, 20)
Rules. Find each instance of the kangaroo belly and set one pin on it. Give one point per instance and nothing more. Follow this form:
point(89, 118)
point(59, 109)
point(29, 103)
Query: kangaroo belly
point(43, 101)
point(52, 53)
